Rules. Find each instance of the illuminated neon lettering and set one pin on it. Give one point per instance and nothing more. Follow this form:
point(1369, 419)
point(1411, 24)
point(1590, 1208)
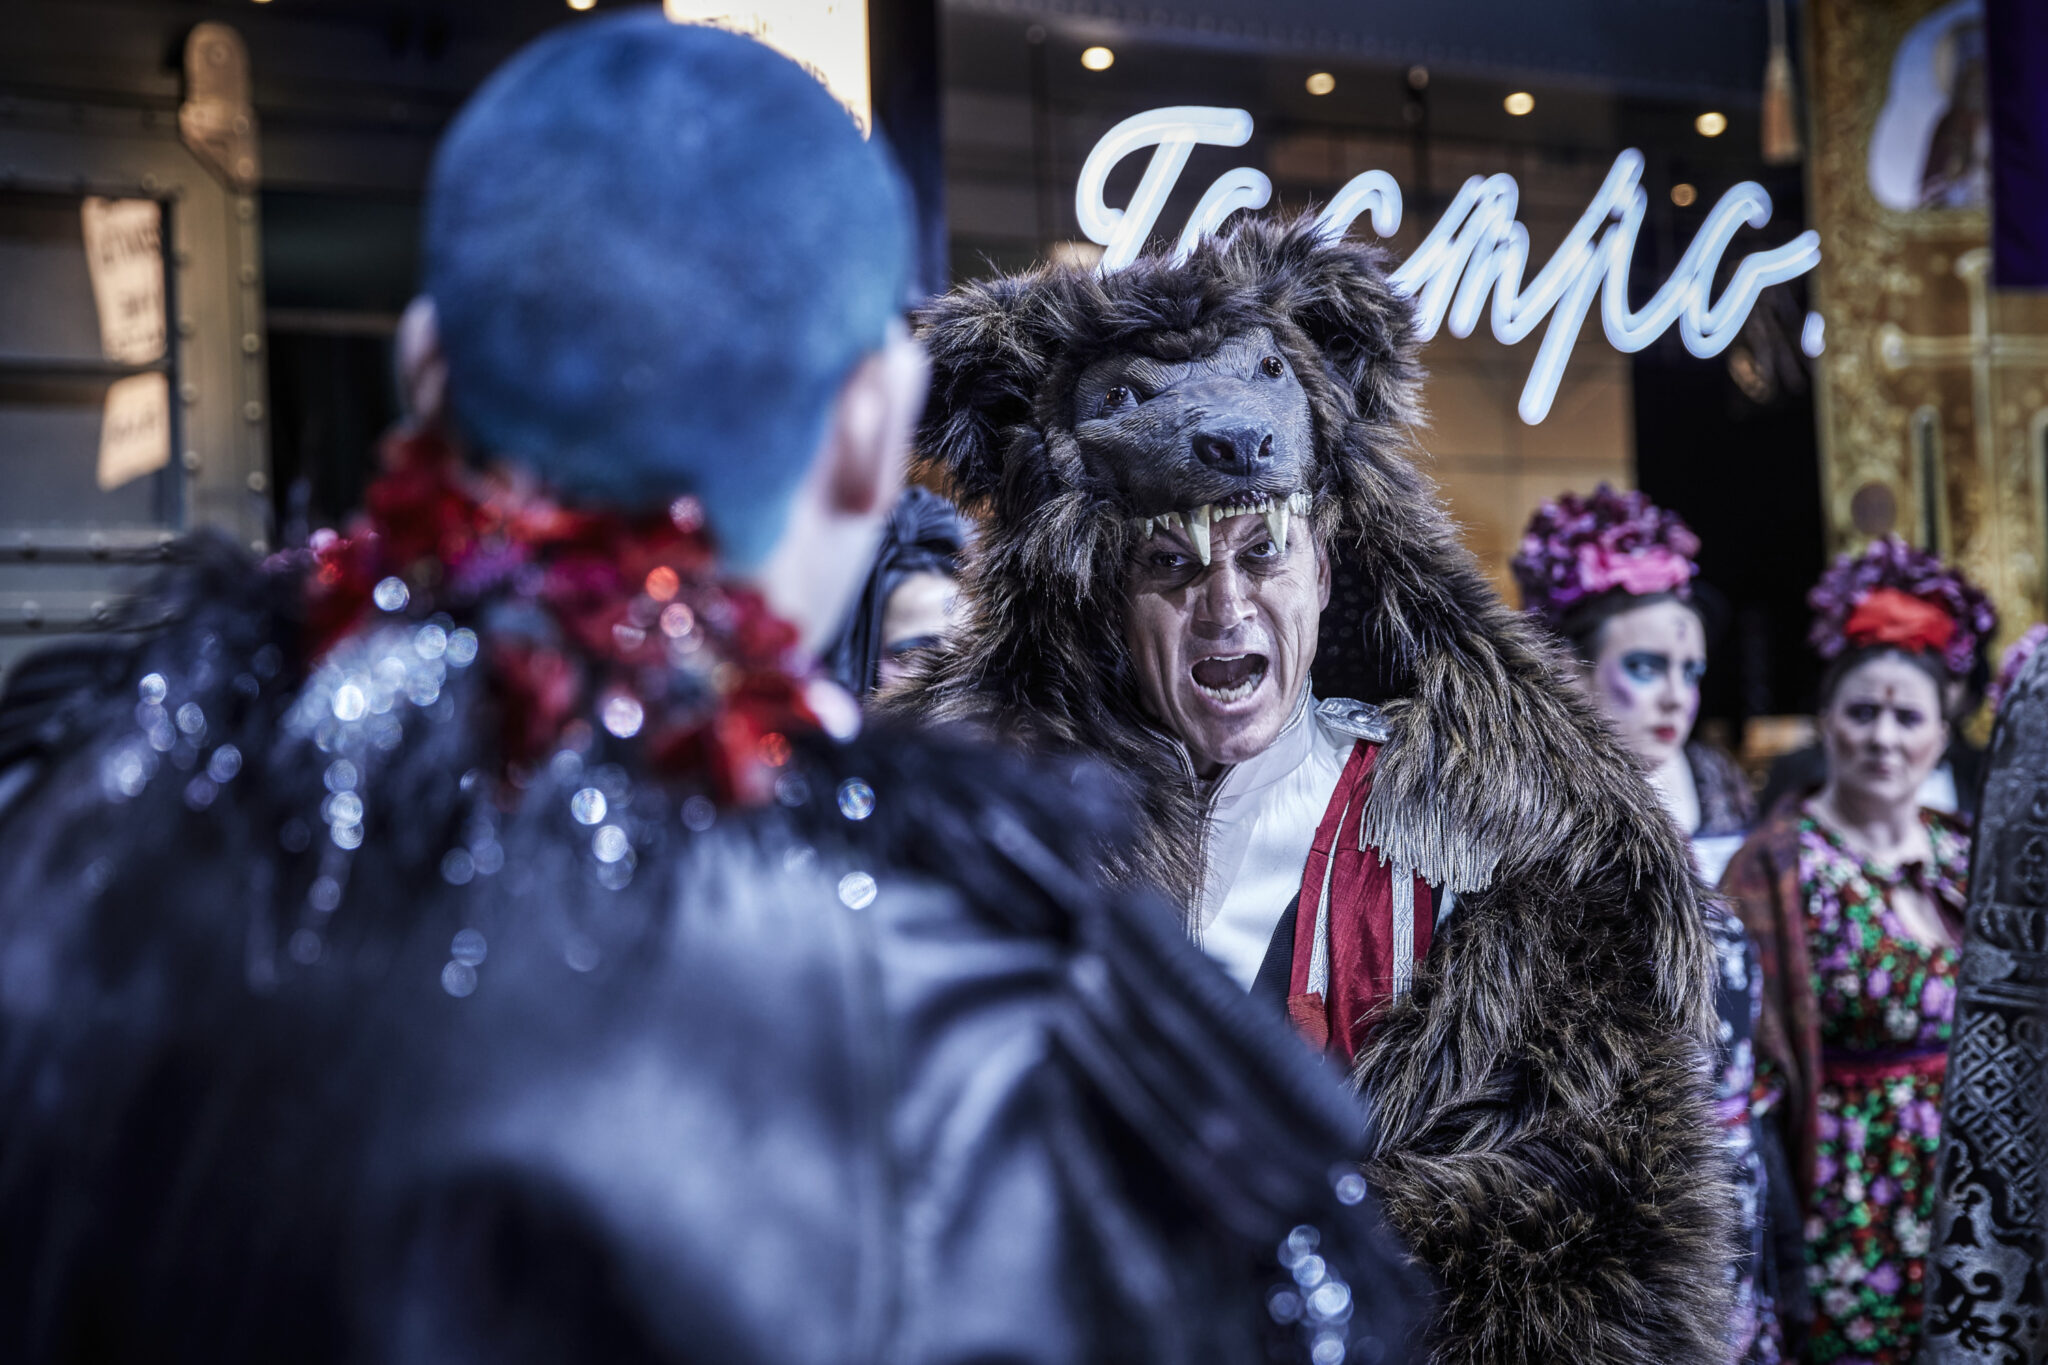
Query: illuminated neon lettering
point(1473, 260)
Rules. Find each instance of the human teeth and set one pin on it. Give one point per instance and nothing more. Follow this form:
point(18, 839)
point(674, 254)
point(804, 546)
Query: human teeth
point(1198, 530)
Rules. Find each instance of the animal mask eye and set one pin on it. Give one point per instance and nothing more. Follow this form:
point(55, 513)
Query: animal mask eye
point(1272, 366)
point(1117, 396)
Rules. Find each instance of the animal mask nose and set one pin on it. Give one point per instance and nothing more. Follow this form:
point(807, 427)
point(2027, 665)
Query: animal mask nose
point(1234, 452)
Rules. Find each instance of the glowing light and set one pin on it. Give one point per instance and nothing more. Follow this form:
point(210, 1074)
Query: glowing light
point(1519, 103)
point(1473, 260)
point(1813, 337)
point(1684, 195)
point(1172, 133)
point(1098, 58)
point(582, 4)
point(1321, 83)
point(1711, 124)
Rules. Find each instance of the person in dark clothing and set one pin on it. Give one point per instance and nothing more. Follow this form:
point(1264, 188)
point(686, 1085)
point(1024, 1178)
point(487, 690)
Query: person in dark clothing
point(907, 597)
point(479, 936)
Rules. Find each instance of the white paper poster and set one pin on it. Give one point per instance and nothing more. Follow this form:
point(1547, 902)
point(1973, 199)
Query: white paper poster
point(135, 429)
point(124, 252)
point(828, 38)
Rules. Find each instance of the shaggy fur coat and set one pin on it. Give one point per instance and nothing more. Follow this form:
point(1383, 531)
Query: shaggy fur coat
point(1540, 1132)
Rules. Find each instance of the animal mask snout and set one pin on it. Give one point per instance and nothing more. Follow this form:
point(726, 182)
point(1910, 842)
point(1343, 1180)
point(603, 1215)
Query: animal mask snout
point(1239, 452)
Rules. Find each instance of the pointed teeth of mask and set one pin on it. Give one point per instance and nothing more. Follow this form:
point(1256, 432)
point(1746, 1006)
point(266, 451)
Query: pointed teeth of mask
point(1198, 530)
point(1195, 522)
point(1276, 524)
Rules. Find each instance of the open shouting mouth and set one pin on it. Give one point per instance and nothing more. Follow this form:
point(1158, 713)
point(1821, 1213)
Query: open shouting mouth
point(1229, 677)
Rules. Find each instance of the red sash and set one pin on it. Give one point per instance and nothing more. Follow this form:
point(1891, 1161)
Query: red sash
point(1362, 937)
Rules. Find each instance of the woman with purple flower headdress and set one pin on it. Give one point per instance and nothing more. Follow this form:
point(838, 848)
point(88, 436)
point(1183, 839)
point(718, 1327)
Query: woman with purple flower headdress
point(1612, 575)
point(1855, 896)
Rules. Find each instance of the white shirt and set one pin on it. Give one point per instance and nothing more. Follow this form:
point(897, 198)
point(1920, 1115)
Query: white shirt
point(1263, 816)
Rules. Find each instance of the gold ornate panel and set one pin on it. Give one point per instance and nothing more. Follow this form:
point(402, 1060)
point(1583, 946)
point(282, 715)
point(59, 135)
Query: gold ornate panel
point(1934, 385)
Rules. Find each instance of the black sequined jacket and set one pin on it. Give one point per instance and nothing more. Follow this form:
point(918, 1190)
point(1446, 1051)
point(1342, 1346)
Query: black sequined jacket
point(311, 1050)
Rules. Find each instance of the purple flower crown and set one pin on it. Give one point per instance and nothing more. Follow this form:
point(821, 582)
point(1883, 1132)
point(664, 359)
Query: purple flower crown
point(1577, 548)
point(1892, 563)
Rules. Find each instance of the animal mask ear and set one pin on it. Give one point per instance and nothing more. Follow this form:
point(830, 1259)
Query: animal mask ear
point(993, 346)
point(1337, 293)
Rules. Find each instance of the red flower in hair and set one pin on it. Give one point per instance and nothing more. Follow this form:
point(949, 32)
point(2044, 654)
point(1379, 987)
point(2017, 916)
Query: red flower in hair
point(1887, 616)
point(1891, 566)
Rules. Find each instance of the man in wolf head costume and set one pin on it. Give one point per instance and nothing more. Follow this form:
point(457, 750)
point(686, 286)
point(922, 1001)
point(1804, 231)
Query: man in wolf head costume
point(1493, 921)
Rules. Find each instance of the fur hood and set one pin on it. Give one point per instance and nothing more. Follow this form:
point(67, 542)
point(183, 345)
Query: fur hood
point(1540, 1132)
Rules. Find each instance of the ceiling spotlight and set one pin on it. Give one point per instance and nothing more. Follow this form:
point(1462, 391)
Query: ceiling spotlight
point(1418, 78)
point(1711, 124)
point(1321, 83)
point(582, 4)
point(1098, 58)
point(1684, 195)
point(1519, 103)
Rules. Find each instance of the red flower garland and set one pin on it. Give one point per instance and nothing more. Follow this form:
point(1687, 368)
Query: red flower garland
point(643, 635)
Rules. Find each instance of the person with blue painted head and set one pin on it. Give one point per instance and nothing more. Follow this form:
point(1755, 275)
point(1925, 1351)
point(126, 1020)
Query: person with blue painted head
point(481, 934)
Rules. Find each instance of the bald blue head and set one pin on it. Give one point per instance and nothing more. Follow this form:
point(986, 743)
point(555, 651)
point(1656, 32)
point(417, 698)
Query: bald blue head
point(655, 252)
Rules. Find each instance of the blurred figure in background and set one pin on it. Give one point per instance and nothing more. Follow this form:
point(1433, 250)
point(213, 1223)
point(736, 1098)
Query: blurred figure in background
point(1612, 575)
point(483, 936)
point(1950, 788)
point(908, 597)
point(1990, 1252)
point(1855, 896)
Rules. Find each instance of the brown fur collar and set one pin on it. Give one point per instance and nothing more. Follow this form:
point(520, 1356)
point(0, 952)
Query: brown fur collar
point(1042, 656)
point(1541, 1134)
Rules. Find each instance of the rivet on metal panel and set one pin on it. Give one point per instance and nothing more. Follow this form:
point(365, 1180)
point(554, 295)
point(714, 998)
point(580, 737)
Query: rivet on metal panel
point(191, 461)
point(97, 544)
point(251, 343)
point(252, 411)
point(32, 613)
point(188, 393)
point(245, 209)
point(248, 274)
point(257, 483)
point(187, 327)
point(149, 184)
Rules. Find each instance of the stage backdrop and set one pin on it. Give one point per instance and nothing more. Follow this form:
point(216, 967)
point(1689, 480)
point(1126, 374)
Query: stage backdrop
point(1934, 399)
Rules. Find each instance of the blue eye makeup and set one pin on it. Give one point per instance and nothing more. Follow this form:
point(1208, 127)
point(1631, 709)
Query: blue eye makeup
point(1644, 666)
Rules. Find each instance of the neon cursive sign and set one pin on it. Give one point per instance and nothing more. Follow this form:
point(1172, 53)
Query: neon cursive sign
point(1474, 259)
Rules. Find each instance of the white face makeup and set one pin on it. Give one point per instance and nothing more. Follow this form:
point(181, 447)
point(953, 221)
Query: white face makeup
point(915, 617)
point(1222, 641)
point(1646, 678)
point(1884, 732)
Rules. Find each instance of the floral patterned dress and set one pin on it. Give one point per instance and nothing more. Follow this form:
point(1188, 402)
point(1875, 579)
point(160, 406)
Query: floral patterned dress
point(1884, 1001)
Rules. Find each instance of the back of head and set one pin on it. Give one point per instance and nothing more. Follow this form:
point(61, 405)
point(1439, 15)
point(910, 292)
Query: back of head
point(655, 252)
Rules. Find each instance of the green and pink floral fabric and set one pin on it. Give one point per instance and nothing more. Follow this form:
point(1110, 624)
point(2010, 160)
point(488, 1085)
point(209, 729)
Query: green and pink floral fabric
point(1885, 1002)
